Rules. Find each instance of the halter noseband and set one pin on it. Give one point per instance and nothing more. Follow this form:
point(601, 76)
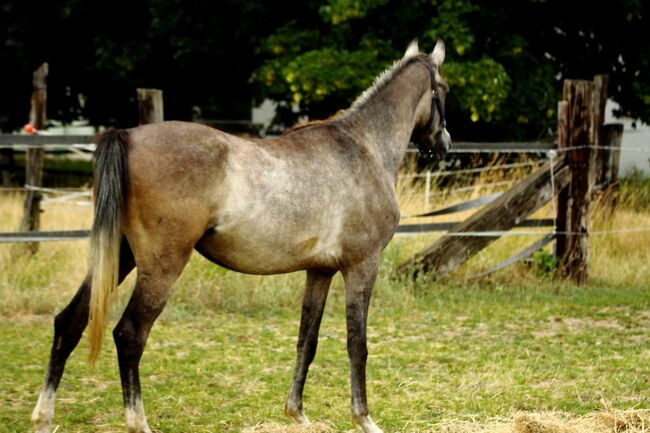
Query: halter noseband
point(435, 105)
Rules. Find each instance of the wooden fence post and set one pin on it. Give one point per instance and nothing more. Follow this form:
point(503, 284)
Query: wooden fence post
point(35, 156)
point(563, 196)
point(585, 113)
point(150, 106)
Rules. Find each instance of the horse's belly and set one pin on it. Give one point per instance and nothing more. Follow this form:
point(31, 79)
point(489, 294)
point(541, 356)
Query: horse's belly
point(263, 253)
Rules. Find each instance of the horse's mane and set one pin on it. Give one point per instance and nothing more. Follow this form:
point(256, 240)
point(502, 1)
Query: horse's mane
point(382, 80)
point(379, 83)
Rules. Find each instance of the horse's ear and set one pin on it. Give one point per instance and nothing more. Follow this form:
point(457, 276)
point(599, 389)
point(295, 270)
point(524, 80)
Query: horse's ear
point(412, 50)
point(438, 54)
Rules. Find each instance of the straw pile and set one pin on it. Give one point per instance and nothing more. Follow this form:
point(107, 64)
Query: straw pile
point(630, 421)
point(273, 427)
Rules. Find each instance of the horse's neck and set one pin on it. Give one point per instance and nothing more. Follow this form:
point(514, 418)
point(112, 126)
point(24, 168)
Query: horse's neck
point(386, 120)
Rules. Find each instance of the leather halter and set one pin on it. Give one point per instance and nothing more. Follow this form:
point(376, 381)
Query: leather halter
point(436, 104)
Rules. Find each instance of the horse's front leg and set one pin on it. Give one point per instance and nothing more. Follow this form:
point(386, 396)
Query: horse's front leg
point(316, 289)
point(359, 281)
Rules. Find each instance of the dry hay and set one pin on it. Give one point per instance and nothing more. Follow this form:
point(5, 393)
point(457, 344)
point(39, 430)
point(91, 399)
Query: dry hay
point(630, 421)
point(274, 427)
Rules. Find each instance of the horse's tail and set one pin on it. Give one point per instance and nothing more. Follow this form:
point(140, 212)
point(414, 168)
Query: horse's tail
point(110, 184)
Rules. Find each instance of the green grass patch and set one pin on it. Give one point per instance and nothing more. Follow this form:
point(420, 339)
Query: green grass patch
point(452, 352)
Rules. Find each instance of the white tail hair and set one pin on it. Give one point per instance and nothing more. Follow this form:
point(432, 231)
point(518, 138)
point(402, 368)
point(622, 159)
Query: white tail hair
point(111, 180)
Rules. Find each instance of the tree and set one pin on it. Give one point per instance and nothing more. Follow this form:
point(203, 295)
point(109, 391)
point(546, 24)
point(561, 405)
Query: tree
point(200, 53)
point(505, 61)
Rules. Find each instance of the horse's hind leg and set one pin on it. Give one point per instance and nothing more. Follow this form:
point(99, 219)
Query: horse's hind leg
point(157, 272)
point(316, 289)
point(69, 325)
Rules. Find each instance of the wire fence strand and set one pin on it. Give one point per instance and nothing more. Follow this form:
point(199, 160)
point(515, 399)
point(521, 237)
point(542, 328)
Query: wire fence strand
point(70, 196)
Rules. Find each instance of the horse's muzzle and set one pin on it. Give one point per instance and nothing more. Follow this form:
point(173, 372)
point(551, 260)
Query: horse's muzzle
point(442, 144)
point(437, 151)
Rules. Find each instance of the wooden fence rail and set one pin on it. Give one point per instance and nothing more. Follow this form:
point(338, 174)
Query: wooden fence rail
point(60, 141)
point(504, 213)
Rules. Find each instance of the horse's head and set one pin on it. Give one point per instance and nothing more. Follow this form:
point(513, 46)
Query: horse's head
point(430, 134)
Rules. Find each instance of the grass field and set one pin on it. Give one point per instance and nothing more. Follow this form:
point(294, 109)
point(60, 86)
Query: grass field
point(518, 351)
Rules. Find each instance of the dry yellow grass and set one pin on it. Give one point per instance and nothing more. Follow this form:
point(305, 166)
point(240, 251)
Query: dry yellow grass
point(614, 258)
point(617, 259)
point(58, 268)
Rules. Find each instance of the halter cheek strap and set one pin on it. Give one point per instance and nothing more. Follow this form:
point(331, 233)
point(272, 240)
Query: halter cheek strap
point(436, 104)
point(435, 101)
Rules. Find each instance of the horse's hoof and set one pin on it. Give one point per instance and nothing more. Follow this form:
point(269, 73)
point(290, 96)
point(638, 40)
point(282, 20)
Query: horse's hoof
point(136, 420)
point(41, 428)
point(366, 424)
point(296, 414)
point(140, 428)
point(144, 429)
point(43, 412)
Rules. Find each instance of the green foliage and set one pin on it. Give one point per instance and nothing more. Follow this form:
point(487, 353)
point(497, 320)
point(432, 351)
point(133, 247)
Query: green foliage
point(479, 88)
point(339, 11)
point(322, 73)
point(505, 60)
point(319, 79)
point(451, 25)
point(318, 75)
point(545, 263)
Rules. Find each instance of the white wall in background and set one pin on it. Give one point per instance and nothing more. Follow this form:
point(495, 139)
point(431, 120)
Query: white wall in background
point(264, 113)
point(633, 138)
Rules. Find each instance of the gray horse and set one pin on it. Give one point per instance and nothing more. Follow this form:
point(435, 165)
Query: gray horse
point(319, 198)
